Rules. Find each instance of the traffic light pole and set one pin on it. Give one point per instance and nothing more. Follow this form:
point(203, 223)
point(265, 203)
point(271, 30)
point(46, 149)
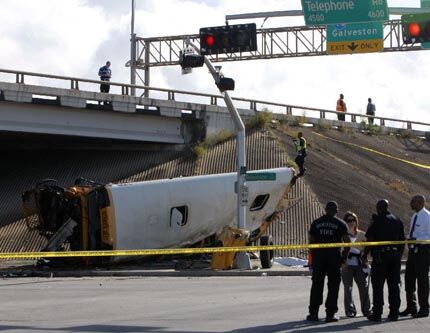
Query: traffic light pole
point(241, 188)
point(133, 50)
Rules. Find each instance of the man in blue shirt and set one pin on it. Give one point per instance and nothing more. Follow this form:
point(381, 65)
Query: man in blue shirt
point(105, 74)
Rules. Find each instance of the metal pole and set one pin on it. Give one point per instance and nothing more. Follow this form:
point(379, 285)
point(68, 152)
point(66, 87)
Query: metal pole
point(264, 15)
point(241, 188)
point(133, 51)
point(147, 69)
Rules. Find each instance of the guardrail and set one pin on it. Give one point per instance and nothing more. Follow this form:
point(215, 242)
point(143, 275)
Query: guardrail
point(126, 89)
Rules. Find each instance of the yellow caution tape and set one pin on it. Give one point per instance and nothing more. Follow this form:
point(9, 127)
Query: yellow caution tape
point(152, 252)
point(423, 166)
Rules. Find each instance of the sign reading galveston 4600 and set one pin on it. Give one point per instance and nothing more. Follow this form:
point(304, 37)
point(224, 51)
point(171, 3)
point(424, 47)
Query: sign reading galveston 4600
point(344, 11)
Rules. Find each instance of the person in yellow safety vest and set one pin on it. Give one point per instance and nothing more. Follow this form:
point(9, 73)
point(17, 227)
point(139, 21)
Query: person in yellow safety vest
point(341, 107)
point(300, 146)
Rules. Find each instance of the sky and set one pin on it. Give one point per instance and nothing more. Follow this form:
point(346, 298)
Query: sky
point(76, 37)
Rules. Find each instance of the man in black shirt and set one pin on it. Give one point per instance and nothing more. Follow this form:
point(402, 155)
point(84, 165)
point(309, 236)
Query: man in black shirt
point(386, 260)
point(417, 266)
point(326, 229)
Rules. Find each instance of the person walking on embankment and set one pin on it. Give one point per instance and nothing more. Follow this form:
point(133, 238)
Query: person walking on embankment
point(301, 147)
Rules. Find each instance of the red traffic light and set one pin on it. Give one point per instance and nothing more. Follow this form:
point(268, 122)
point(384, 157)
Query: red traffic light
point(228, 39)
point(414, 29)
point(209, 40)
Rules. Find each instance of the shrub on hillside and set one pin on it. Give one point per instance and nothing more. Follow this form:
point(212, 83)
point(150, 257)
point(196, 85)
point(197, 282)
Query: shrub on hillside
point(211, 141)
point(260, 120)
point(371, 129)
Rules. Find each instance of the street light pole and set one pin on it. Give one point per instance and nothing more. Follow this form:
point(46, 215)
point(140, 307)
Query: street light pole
point(133, 50)
point(241, 188)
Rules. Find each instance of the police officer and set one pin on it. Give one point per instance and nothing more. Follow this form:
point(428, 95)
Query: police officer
point(301, 147)
point(105, 74)
point(386, 260)
point(327, 229)
point(417, 266)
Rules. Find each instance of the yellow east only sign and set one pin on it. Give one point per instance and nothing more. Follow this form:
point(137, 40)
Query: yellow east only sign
point(357, 46)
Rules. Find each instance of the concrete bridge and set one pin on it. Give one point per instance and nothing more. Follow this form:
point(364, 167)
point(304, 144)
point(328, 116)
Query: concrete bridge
point(43, 109)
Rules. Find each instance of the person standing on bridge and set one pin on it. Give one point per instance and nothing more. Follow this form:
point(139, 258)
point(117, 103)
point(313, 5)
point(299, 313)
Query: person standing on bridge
point(370, 111)
point(417, 266)
point(341, 107)
point(386, 260)
point(105, 74)
point(327, 261)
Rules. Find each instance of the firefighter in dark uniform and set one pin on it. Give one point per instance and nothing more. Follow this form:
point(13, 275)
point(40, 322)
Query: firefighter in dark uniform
point(327, 229)
point(386, 260)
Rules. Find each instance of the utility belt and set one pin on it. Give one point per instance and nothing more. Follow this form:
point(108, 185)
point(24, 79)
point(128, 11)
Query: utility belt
point(387, 249)
point(350, 255)
point(415, 248)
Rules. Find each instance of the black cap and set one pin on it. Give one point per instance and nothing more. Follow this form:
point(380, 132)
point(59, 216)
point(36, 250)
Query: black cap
point(332, 205)
point(382, 204)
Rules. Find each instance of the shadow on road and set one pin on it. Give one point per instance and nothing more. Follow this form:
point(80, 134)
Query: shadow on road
point(86, 328)
point(303, 326)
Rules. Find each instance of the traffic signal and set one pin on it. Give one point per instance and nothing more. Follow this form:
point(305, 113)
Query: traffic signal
point(225, 83)
point(416, 28)
point(191, 60)
point(228, 39)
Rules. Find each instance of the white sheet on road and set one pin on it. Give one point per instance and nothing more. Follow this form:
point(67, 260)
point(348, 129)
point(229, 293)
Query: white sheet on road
point(290, 261)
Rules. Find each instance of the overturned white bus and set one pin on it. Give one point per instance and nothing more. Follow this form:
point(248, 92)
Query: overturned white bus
point(157, 214)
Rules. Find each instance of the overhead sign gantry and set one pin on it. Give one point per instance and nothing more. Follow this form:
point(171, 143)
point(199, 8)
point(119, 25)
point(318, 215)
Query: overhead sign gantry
point(312, 40)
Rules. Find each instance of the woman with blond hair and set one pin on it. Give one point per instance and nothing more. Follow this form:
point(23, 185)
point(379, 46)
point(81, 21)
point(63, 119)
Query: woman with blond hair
point(352, 270)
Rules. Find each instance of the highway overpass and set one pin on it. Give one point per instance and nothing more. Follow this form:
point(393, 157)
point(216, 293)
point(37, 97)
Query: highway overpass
point(82, 111)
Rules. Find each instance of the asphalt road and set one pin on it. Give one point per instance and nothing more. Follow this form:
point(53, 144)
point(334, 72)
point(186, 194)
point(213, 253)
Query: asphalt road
point(220, 304)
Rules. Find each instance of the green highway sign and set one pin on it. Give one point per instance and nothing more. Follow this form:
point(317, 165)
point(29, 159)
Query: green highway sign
point(355, 31)
point(260, 176)
point(318, 12)
point(352, 38)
